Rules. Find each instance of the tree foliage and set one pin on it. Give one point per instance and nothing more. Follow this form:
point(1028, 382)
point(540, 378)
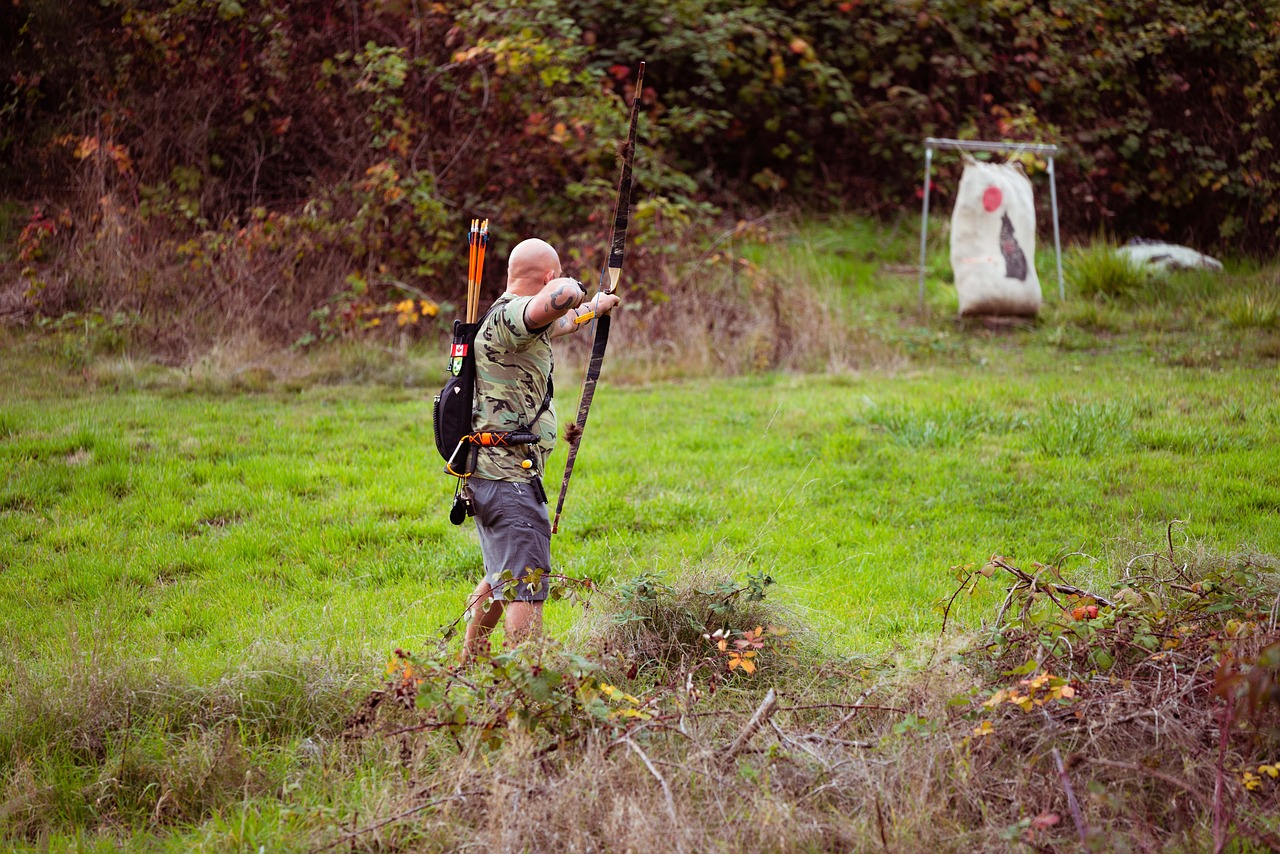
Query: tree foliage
point(273, 150)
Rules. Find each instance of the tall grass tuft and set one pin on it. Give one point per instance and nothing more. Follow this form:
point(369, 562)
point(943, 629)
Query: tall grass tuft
point(943, 427)
point(664, 624)
point(1101, 270)
point(1068, 428)
point(1252, 310)
point(105, 744)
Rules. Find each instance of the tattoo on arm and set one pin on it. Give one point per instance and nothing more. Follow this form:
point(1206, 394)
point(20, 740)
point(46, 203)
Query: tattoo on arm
point(562, 297)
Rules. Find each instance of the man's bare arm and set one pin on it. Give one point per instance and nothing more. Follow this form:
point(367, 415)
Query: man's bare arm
point(568, 324)
point(556, 298)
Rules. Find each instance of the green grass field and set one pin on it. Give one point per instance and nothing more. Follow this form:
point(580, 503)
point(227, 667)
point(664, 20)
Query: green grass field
point(207, 527)
point(148, 522)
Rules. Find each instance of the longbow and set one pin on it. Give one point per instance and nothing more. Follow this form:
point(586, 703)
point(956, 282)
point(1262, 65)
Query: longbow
point(609, 275)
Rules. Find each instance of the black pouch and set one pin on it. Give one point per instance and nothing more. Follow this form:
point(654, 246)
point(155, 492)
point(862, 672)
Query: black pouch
point(461, 506)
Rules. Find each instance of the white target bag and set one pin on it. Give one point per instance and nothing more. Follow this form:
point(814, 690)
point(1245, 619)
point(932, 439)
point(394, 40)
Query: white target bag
point(993, 241)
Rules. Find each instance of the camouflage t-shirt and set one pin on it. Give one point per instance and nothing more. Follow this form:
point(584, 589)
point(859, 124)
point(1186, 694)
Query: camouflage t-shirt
point(513, 365)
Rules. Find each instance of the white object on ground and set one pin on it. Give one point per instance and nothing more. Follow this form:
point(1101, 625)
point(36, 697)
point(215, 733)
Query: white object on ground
point(993, 240)
point(1167, 256)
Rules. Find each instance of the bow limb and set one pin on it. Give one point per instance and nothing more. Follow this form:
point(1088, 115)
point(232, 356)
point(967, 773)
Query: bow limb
point(609, 276)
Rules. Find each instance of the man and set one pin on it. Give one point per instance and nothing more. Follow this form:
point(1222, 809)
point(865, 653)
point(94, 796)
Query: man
point(513, 373)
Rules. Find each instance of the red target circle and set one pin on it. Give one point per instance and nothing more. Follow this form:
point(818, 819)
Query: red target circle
point(992, 198)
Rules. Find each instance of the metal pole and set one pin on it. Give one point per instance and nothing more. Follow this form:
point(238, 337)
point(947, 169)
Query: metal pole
point(924, 217)
point(1057, 242)
point(979, 145)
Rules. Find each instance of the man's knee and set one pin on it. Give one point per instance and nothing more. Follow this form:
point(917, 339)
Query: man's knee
point(484, 609)
point(524, 620)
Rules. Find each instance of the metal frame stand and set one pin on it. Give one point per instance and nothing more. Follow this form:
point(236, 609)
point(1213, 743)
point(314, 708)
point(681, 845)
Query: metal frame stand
point(1050, 151)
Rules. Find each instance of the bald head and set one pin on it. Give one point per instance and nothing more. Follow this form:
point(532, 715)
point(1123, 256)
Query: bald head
point(532, 264)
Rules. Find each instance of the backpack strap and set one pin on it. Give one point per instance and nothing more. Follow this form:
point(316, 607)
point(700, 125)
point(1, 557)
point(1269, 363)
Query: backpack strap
point(546, 403)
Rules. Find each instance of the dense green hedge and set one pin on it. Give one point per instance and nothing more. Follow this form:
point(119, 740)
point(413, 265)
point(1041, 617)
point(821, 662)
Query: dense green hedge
point(371, 131)
point(1166, 109)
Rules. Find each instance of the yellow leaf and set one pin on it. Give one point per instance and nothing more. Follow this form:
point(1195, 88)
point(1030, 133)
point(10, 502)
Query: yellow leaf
point(748, 666)
point(630, 713)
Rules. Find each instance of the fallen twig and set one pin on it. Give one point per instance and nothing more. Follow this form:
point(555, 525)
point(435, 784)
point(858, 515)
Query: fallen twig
point(1033, 582)
point(354, 833)
point(854, 706)
point(666, 792)
point(1072, 804)
point(763, 712)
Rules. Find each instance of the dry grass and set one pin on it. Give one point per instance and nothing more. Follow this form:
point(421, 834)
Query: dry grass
point(927, 750)
point(216, 304)
point(1151, 753)
point(107, 743)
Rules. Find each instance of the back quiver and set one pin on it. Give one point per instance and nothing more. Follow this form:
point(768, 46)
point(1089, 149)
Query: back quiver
point(453, 406)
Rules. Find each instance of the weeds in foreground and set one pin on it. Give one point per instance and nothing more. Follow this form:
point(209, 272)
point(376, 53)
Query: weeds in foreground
point(1142, 717)
point(1142, 714)
point(1162, 694)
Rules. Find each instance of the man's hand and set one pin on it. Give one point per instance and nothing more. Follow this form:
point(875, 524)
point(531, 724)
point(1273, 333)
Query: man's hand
point(600, 304)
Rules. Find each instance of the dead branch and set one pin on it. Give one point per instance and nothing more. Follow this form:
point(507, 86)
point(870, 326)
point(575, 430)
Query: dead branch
point(1032, 582)
point(666, 792)
point(1072, 803)
point(397, 817)
point(763, 712)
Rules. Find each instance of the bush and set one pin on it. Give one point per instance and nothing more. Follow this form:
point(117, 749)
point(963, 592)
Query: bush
point(212, 166)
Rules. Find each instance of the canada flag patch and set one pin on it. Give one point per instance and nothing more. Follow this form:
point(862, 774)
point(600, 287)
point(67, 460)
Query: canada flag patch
point(459, 351)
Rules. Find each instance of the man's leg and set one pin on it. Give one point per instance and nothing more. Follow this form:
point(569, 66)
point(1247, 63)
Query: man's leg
point(476, 639)
point(524, 622)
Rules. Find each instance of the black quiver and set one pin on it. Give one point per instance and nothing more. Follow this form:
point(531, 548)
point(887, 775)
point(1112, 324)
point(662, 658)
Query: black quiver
point(452, 411)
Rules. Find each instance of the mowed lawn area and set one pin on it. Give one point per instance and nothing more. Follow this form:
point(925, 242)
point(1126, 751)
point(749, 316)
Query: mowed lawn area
point(210, 529)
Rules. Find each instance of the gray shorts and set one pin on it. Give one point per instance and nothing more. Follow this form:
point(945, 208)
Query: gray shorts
point(515, 534)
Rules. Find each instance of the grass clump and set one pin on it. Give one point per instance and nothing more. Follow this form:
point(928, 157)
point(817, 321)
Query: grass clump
point(105, 745)
point(946, 426)
point(1102, 270)
point(653, 624)
point(1081, 428)
point(1256, 309)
